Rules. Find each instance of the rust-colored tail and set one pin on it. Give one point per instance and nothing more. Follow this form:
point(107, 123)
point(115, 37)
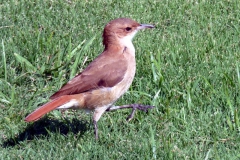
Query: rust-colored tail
point(39, 112)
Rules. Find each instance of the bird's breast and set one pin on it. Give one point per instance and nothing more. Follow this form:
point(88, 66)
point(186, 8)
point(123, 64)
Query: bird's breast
point(126, 82)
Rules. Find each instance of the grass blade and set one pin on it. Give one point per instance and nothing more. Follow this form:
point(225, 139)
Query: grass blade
point(153, 143)
point(25, 62)
point(4, 61)
point(238, 75)
point(75, 65)
point(69, 57)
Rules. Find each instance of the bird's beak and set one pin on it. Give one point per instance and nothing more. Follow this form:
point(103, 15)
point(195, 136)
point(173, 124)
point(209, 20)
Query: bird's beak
point(143, 26)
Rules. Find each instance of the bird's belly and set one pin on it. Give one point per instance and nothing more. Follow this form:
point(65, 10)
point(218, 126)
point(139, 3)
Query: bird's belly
point(98, 98)
point(107, 95)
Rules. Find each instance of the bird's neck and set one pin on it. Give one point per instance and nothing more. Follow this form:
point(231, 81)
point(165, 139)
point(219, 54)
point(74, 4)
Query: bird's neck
point(115, 43)
point(126, 42)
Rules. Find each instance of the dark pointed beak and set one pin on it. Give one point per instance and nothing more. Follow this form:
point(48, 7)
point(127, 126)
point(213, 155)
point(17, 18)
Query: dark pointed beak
point(143, 26)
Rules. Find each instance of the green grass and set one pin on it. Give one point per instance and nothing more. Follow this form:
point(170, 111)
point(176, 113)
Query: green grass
point(188, 67)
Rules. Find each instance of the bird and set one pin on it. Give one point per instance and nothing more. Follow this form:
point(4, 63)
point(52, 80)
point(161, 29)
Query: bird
point(105, 79)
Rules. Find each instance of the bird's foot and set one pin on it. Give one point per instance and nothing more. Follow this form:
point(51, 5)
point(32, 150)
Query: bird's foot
point(134, 107)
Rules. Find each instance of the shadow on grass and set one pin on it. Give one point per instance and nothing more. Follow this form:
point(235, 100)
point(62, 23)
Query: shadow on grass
point(44, 127)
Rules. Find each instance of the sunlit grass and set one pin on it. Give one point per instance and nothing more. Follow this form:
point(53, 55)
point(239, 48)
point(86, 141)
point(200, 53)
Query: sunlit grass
point(188, 67)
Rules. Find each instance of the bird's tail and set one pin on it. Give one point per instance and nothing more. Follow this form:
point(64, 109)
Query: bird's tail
point(55, 103)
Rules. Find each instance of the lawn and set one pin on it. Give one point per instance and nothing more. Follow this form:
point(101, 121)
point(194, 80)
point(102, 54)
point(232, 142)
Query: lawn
point(188, 67)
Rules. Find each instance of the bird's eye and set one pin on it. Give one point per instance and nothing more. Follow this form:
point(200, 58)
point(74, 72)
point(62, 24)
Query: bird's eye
point(128, 29)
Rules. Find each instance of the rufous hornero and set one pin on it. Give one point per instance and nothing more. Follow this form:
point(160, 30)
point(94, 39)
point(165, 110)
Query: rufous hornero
point(105, 79)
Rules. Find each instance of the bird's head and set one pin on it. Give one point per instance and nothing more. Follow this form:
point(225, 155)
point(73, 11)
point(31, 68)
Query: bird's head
point(121, 30)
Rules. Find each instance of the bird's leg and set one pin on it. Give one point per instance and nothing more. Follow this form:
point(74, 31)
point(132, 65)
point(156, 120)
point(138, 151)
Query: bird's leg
point(95, 129)
point(134, 108)
point(96, 116)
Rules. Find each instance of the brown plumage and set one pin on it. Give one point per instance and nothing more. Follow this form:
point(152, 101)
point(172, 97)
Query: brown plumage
point(91, 78)
point(105, 79)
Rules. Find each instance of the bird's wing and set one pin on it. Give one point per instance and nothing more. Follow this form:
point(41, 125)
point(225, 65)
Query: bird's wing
point(104, 71)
